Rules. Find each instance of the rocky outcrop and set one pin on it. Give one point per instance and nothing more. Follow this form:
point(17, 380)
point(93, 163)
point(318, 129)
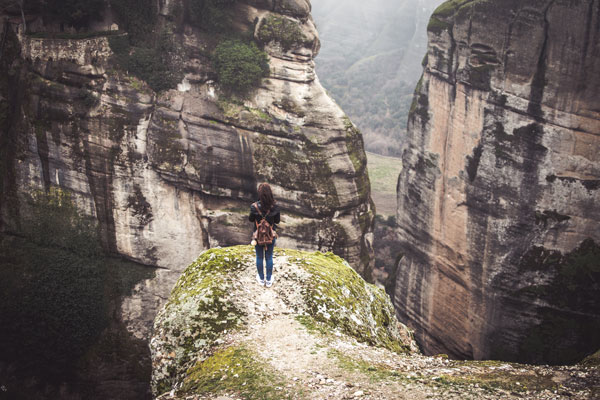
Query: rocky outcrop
point(498, 201)
point(216, 306)
point(319, 332)
point(170, 174)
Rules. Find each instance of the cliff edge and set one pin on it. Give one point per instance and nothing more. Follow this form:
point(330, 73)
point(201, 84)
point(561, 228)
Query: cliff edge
point(319, 332)
point(499, 200)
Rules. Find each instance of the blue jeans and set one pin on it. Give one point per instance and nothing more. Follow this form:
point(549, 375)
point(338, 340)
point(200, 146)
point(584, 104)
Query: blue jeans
point(260, 252)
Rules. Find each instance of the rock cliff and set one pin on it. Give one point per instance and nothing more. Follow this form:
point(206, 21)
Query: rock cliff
point(499, 200)
point(172, 173)
point(319, 332)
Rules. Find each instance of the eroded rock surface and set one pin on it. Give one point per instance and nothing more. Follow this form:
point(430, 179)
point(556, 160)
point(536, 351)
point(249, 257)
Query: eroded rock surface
point(170, 174)
point(217, 301)
point(319, 332)
point(499, 200)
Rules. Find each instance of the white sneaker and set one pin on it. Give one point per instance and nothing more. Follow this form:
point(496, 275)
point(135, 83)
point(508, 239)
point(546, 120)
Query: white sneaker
point(260, 281)
point(269, 283)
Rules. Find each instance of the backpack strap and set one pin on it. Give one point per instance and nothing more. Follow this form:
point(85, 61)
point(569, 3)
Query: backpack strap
point(260, 212)
point(258, 209)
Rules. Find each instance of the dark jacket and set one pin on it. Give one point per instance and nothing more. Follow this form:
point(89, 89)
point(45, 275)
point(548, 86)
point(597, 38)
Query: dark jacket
point(272, 218)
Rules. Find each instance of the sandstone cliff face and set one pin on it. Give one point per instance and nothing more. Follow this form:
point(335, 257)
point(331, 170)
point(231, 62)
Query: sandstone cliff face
point(168, 175)
point(499, 201)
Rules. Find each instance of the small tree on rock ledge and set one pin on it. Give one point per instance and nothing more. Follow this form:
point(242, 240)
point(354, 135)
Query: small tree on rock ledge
point(240, 66)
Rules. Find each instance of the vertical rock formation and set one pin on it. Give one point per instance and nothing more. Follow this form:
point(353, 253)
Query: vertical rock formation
point(170, 174)
point(499, 199)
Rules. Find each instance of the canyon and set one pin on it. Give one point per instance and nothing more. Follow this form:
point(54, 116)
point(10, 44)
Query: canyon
point(143, 148)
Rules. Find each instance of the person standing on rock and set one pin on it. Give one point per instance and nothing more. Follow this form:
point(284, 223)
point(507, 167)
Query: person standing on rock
point(264, 214)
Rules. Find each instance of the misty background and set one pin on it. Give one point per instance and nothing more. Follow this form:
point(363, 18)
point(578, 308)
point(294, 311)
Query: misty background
point(370, 62)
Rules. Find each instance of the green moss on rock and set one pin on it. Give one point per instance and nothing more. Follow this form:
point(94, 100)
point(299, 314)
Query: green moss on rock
point(438, 26)
point(209, 300)
point(199, 310)
point(449, 8)
point(235, 370)
point(287, 165)
point(331, 298)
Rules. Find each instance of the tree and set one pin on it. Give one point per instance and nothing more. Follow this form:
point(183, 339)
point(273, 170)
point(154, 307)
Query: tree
point(77, 13)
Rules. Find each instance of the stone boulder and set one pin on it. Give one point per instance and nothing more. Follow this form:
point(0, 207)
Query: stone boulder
point(217, 309)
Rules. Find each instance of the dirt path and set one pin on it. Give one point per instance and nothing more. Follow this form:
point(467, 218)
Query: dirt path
point(333, 366)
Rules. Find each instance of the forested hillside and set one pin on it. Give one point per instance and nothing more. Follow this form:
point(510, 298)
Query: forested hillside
point(370, 62)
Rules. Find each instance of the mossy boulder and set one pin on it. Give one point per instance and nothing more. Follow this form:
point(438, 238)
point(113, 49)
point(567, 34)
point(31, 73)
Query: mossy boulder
point(211, 312)
point(592, 360)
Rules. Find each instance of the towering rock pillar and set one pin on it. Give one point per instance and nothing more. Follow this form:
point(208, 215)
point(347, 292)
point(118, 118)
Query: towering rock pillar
point(499, 199)
point(170, 174)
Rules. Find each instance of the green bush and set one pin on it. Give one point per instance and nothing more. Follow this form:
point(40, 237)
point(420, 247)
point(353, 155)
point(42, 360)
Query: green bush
point(210, 15)
point(282, 30)
point(137, 17)
point(240, 66)
point(153, 64)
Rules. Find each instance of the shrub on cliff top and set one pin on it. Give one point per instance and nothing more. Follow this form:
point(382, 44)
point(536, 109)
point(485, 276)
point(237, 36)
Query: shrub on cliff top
point(240, 66)
point(155, 64)
point(280, 29)
point(448, 8)
point(209, 15)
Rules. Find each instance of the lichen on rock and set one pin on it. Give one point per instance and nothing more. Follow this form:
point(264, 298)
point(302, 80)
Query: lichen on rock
point(212, 312)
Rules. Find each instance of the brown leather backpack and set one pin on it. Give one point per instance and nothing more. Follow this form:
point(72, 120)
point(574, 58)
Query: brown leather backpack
point(264, 231)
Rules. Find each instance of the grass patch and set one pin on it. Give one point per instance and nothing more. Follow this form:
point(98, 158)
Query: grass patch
point(493, 380)
point(72, 36)
point(376, 373)
point(383, 173)
point(312, 325)
point(490, 380)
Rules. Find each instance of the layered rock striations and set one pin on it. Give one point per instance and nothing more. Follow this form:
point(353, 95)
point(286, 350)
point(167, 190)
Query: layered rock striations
point(499, 198)
point(170, 174)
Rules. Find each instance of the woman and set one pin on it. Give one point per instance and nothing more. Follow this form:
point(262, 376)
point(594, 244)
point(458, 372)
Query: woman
point(267, 209)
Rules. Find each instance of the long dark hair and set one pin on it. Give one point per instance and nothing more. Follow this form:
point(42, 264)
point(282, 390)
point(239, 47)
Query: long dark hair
point(265, 196)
